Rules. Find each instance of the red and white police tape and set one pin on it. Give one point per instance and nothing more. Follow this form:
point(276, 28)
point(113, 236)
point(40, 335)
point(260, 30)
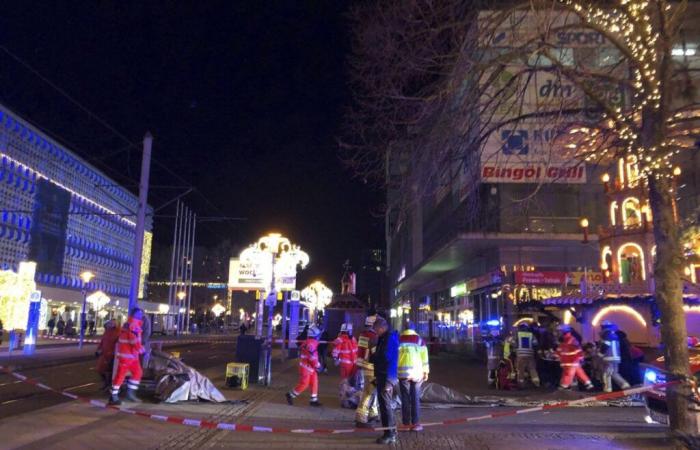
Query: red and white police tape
point(171, 341)
point(208, 424)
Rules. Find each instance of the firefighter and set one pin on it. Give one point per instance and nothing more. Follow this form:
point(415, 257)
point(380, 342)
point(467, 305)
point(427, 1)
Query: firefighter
point(525, 344)
point(367, 409)
point(610, 349)
point(494, 350)
point(129, 349)
point(309, 366)
point(344, 355)
point(105, 352)
point(570, 356)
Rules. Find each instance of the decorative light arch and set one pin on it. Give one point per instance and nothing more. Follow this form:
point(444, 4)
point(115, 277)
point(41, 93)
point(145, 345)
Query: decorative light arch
point(613, 212)
point(603, 257)
point(641, 256)
point(523, 320)
point(635, 202)
point(618, 308)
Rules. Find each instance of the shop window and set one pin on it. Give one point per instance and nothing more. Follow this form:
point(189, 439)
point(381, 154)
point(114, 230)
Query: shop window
point(630, 260)
point(631, 213)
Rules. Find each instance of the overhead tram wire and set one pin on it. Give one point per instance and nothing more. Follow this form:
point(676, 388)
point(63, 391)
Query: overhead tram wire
point(104, 123)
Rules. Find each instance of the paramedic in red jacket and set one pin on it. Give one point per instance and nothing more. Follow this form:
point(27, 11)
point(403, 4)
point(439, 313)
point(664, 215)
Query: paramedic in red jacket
point(129, 349)
point(308, 368)
point(570, 356)
point(344, 355)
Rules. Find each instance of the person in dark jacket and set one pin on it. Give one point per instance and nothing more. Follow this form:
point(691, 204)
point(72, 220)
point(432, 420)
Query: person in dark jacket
point(323, 350)
point(385, 360)
point(51, 325)
point(60, 326)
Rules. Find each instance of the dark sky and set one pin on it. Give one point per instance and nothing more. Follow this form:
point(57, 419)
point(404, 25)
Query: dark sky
point(244, 99)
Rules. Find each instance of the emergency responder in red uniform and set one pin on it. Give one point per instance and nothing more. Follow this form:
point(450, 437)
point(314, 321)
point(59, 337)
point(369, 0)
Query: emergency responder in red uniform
point(570, 356)
point(368, 408)
point(308, 368)
point(344, 355)
point(129, 349)
point(105, 352)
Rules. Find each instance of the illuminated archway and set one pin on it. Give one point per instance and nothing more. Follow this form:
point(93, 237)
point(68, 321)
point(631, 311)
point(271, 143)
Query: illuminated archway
point(629, 269)
point(632, 170)
point(631, 213)
point(618, 308)
point(604, 254)
point(523, 320)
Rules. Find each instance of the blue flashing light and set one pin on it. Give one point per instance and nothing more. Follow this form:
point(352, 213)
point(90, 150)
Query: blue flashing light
point(650, 376)
point(493, 323)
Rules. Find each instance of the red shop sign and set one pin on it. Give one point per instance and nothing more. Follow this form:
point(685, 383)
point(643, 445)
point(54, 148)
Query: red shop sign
point(548, 278)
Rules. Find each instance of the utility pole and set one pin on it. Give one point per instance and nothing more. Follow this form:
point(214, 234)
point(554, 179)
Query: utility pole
point(140, 221)
point(172, 289)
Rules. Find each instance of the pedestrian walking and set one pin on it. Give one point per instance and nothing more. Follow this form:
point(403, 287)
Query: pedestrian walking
point(570, 357)
point(105, 352)
point(308, 368)
point(367, 409)
point(385, 360)
point(323, 350)
point(344, 355)
point(610, 348)
point(129, 349)
point(413, 370)
point(525, 346)
point(51, 325)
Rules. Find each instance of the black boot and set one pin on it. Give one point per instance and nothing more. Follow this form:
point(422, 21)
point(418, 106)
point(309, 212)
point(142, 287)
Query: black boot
point(290, 398)
point(388, 438)
point(315, 403)
point(114, 400)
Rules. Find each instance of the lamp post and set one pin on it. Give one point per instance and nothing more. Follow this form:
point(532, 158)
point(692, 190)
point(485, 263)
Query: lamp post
point(86, 276)
point(316, 297)
point(181, 297)
point(584, 225)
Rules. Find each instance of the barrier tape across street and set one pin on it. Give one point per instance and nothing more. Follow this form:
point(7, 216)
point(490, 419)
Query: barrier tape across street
point(171, 341)
point(228, 426)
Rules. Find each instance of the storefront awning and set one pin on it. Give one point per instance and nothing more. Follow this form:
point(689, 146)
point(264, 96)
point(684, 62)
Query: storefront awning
point(572, 300)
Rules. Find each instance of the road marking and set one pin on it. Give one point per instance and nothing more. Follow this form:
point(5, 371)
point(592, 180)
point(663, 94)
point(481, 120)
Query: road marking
point(213, 356)
point(9, 401)
point(10, 382)
point(78, 387)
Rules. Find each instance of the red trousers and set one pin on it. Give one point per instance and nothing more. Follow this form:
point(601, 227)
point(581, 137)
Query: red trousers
point(569, 372)
point(126, 366)
point(347, 371)
point(306, 378)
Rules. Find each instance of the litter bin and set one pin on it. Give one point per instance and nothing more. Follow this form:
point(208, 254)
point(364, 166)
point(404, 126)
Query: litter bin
point(237, 375)
point(249, 349)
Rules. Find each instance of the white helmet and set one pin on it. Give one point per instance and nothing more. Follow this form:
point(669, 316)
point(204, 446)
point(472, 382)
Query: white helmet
point(346, 328)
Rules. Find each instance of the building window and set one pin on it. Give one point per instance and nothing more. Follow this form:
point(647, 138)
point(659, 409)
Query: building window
point(631, 213)
point(613, 213)
point(630, 260)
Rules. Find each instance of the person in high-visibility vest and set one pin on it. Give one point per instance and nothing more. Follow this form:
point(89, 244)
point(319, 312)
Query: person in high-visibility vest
point(570, 356)
point(129, 349)
point(525, 345)
point(495, 350)
point(610, 349)
point(368, 408)
point(413, 370)
point(344, 355)
point(308, 368)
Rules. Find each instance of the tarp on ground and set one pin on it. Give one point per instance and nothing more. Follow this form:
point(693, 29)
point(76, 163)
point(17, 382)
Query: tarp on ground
point(177, 382)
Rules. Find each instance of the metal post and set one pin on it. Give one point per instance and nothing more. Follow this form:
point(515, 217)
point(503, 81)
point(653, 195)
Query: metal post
point(178, 268)
point(191, 266)
point(171, 288)
point(285, 299)
point(270, 312)
point(185, 267)
point(140, 222)
point(83, 319)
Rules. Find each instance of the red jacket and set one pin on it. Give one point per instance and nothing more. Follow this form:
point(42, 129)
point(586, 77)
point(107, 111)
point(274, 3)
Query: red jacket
point(569, 351)
point(308, 358)
point(366, 346)
point(129, 345)
point(106, 348)
point(345, 350)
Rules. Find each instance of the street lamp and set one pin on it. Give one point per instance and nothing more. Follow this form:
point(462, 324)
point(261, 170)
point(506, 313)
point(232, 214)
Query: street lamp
point(316, 297)
point(85, 276)
point(584, 225)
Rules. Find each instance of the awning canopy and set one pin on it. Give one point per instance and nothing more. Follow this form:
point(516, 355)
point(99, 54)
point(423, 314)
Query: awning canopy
point(573, 300)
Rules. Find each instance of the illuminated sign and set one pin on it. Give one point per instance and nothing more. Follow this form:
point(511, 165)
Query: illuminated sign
point(458, 289)
point(551, 278)
point(16, 293)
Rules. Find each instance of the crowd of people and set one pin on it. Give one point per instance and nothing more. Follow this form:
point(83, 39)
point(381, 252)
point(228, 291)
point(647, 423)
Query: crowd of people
point(375, 370)
point(552, 356)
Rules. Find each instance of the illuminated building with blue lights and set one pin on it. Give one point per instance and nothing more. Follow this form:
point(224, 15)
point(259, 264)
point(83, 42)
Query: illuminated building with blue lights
point(67, 216)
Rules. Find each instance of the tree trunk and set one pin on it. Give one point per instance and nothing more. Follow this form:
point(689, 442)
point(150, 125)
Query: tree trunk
point(669, 298)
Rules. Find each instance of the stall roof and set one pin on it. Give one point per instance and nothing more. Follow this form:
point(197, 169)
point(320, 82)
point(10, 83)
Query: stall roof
point(589, 299)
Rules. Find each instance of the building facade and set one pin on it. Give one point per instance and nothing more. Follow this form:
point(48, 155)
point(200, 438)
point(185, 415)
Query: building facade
point(68, 217)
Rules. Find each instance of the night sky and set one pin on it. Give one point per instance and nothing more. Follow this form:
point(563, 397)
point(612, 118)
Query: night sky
point(244, 99)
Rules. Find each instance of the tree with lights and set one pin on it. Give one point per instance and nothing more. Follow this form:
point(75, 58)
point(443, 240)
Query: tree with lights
point(435, 82)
